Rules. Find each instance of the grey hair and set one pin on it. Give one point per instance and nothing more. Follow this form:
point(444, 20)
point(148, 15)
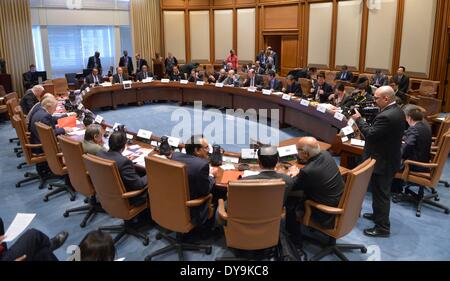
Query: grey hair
point(311, 150)
point(48, 102)
point(38, 88)
point(91, 131)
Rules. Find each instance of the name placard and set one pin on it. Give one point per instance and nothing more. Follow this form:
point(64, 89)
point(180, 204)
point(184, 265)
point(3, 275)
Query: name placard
point(165, 80)
point(286, 97)
point(321, 108)
point(347, 130)
point(219, 85)
point(357, 142)
point(304, 102)
point(339, 116)
point(266, 92)
point(251, 89)
point(184, 82)
point(200, 83)
point(173, 141)
point(98, 119)
point(287, 150)
point(144, 134)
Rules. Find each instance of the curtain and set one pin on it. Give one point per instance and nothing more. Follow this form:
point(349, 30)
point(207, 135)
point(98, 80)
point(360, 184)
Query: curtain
point(16, 40)
point(146, 28)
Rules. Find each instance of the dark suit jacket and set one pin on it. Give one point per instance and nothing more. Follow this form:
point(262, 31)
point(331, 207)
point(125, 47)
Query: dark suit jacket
point(117, 80)
point(90, 79)
point(275, 175)
point(130, 178)
point(175, 77)
point(41, 115)
point(321, 182)
point(200, 183)
point(122, 63)
point(348, 76)
point(384, 139)
point(28, 101)
point(403, 84)
point(91, 63)
point(261, 71)
point(194, 79)
point(140, 75)
point(417, 144)
point(139, 64)
point(328, 90)
point(259, 81)
point(28, 80)
point(277, 85)
point(379, 81)
point(294, 89)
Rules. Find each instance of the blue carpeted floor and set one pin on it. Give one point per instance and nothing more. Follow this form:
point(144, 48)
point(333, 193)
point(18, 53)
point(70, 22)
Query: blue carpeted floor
point(412, 238)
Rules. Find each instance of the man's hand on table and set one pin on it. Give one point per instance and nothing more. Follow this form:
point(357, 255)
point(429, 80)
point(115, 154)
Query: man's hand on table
point(293, 171)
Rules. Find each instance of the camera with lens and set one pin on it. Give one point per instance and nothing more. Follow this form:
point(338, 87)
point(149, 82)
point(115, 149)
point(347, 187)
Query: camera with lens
point(216, 155)
point(164, 147)
point(364, 104)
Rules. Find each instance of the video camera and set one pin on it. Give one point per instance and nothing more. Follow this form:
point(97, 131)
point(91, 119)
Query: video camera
point(364, 104)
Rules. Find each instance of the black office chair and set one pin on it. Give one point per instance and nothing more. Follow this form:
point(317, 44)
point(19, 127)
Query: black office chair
point(72, 79)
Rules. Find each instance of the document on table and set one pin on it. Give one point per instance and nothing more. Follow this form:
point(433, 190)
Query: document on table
point(249, 173)
point(19, 224)
point(77, 133)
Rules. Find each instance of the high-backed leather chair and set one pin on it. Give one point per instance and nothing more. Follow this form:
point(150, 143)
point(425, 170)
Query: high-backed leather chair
point(306, 85)
point(12, 103)
point(170, 205)
point(61, 86)
point(3, 108)
point(111, 193)
point(253, 214)
point(347, 212)
point(330, 77)
point(444, 127)
point(30, 157)
point(425, 180)
point(72, 80)
point(79, 178)
point(55, 161)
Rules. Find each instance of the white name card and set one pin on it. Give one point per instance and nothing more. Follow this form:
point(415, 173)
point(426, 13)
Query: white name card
point(165, 80)
point(200, 83)
point(98, 119)
point(184, 82)
point(304, 102)
point(266, 92)
point(144, 134)
point(127, 84)
point(350, 122)
point(130, 137)
point(173, 141)
point(339, 116)
point(147, 80)
point(154, 143)
point(229, 159)
point(87, 90)
point(286, 97)
point(321, 108)
point(347, 130)
point(106, 84)
point(116, 125)
point(248, 153)
point(344, 139)
point(251, 89)
point(357, 142)
point(287, 150)
point(219, 85)
point(80, 106)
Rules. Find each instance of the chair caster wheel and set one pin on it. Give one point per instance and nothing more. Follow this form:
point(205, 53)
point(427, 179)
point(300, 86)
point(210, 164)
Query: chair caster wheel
point(437, 199)
point(50, 187)
point(66, 214)
point(72, 198)
point(418, 214)
point(26, 175)
point(208, 250)
point(148, 258)
point(158, 236)
point(41, 186)
point(45, 199)
point(86, 200)
point(364, 250)
point(83, 225)
point(447, 211)
point(17, 185)
point(146, 242)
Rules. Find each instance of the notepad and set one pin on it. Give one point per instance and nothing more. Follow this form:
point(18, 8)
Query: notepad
point(19, 224)
point(249, 173)
point(228, 176)
point(67, 122)
point(357, 142)
point(347, 130)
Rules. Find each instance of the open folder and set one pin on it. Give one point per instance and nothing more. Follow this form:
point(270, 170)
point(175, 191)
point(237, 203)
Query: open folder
point(67, 122)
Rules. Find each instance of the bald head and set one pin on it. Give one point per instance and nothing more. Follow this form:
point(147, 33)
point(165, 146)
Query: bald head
point(38, 90)
point(308, 147)
point(384, 96)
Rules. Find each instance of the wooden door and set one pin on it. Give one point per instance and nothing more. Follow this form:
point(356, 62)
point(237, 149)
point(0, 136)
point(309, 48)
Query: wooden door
point(289, 54)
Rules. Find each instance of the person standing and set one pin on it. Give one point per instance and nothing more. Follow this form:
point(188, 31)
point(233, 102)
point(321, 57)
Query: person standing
point(383, 143)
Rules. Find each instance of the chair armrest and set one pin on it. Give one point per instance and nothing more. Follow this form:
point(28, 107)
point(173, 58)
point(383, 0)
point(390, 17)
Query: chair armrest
point(134, 193)
point(434, 148)
point(221, 210)
point(324, 208)
point(60, 155)
point(420, 164)
point(29, 145)
point(198, 201)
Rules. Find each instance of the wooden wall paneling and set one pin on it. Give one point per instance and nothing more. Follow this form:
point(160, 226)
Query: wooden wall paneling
point(289, 54)
point(333, 35)
point(211, 34)
point(187, 37)
point(364, 28)
point(299, 34)
point(305, 33)
point(398, 36)
point(235, 31)
point(438, 38)
point(282, 17)
point(173, 4)
point(198, 3)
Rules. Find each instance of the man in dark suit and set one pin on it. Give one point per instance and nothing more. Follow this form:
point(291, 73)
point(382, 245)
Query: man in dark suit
point(232, 79)
point(175, 74)
point(259, 69)
point(268, 158)
point(28, 79)
point(253, 80)
point(93, 78)
point(32, 245)
point(379, 79)
point(321, 90)
point(144, 74)
point(126, 62)
point(320, 181)
point(119, 77)
point(201, 181)
point(344, 75)
point(274, 57)
point(383, 143)
point(274, 84)
point(31, 97)
point(401, 80)
point(292, 87)
point(95, 61)
point(130, 178)
point(140, 63)
point(170, 62)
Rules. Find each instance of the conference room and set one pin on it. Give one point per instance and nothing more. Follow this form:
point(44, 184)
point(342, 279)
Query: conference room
point(224, 130)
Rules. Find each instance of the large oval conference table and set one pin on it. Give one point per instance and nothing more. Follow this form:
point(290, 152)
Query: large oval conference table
point(322, 125)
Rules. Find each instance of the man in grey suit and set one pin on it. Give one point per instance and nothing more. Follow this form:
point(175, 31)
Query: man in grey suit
point(93, 139)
